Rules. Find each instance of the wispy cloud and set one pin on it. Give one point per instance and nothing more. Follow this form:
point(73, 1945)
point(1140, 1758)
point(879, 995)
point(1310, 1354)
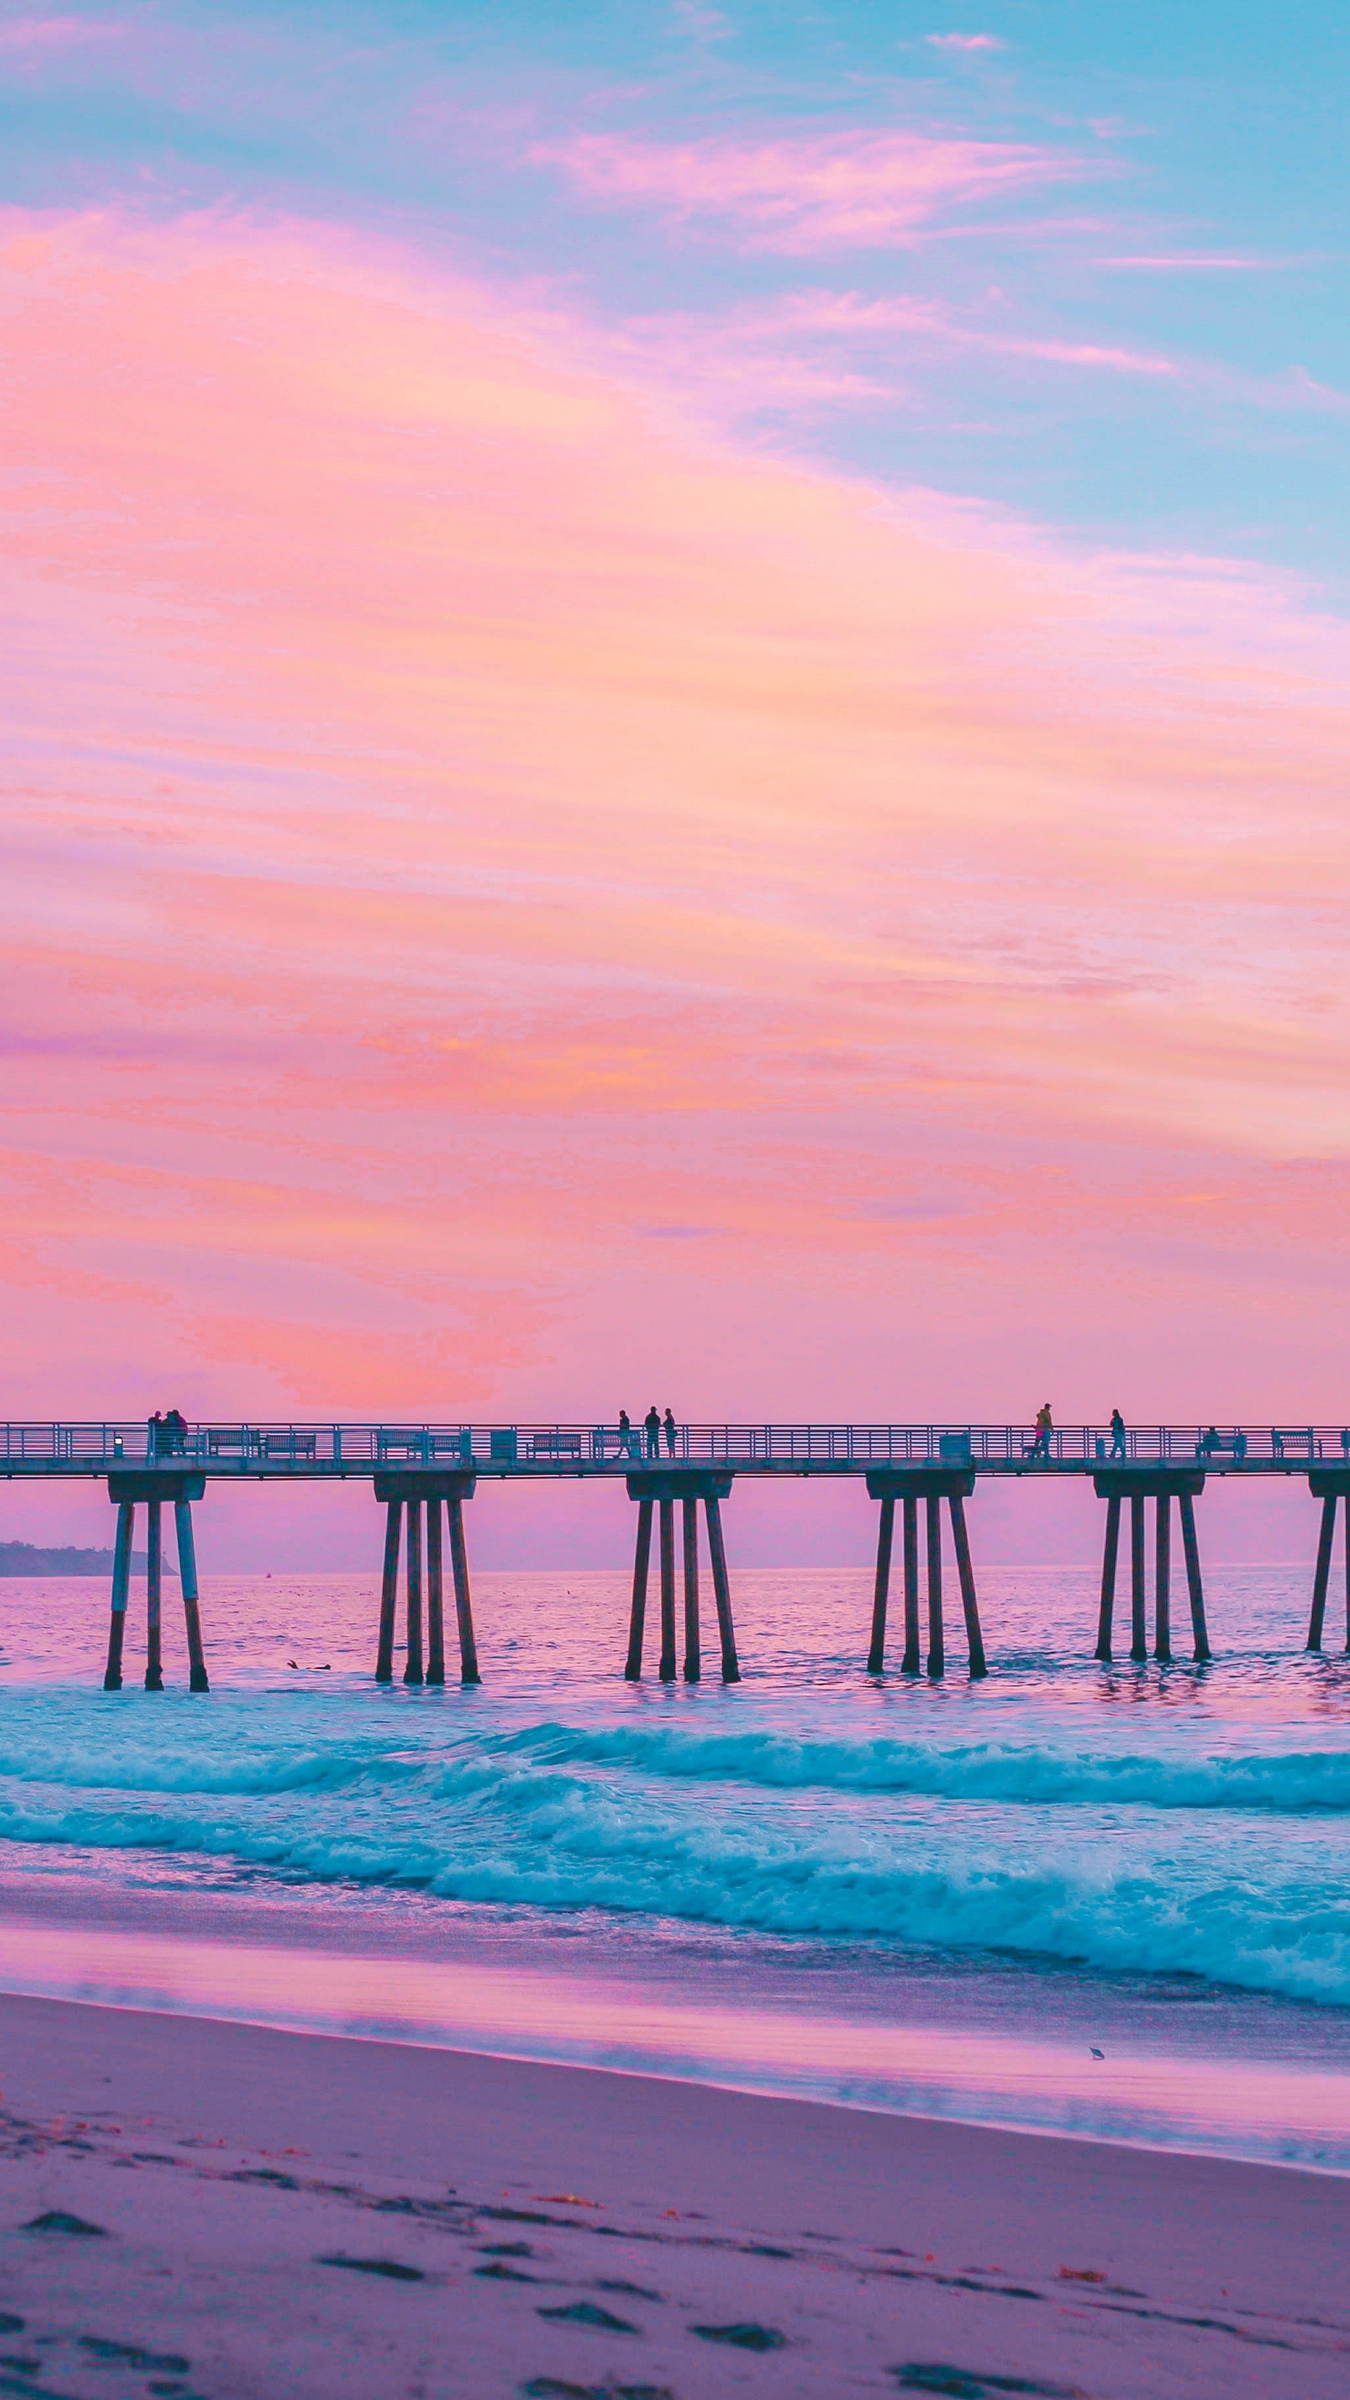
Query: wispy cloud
point(805, 191)
point(964, 41)
point(39, 37)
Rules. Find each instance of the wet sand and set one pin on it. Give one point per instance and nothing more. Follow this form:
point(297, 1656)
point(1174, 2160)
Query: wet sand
point(189, 2207)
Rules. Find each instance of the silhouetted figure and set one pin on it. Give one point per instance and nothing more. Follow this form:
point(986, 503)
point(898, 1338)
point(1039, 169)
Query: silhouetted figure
point(671, 1430)
point(154, 1436)
point(1117, 1434)
point(1045, 1426)
point(625, 1434)
point(173, 1432)
point(652, 1425)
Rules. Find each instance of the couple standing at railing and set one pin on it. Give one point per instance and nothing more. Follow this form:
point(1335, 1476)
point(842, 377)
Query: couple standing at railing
point(653, 1426)
point(166, 1436)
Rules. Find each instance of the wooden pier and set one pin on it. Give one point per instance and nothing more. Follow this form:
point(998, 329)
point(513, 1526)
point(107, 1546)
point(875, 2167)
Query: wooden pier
point(424, 1474)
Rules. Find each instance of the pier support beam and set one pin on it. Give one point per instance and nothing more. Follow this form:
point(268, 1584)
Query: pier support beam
point(393, 1532)
point(1330, 1488)
point(412, 1660)
point(153, 1488)
point(658, 1488)
point(403, 1492)
point(121, 1586)
point(192, 1614)
point(876, 1654)
point(459, 1564)
point(1139, 1485)
point(435, 1595)
point(910, 1663)
point(932, 1485)
point(689, 1514)
point(1162, 1578)
point(637, 1618)
point(1110, 1556)
point(666, 1516)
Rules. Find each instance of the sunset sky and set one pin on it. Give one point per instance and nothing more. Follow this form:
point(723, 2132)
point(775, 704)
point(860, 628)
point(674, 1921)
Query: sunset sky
point(674, 699)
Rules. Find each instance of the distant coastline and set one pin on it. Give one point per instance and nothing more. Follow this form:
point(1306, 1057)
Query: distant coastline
point(25, 1558)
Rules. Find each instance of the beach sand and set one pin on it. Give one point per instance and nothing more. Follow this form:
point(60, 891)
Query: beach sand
point(285, 2213)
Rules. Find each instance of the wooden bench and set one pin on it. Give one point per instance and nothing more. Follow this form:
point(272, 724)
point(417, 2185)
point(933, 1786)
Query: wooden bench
point(555, 1445)
point(1221, 1445)
point(237, 1441)
point(290, 1445)
point(1298, 1441)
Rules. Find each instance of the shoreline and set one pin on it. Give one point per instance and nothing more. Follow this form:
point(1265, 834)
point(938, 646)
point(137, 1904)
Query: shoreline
point(358, 2216)
point(1085, 2073)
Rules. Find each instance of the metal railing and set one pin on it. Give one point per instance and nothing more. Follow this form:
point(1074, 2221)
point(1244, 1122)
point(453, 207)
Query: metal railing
point(87, 1448)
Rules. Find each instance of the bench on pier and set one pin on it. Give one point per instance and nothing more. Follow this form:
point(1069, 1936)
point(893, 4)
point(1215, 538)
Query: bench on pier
point(555, 1445)
point(1294, 1441)
point(290, 1445)
point(420, 1443)
point(1222, 1445)
point(233, 1441)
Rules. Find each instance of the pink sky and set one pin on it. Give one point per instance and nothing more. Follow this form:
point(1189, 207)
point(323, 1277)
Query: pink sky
point(520, 903)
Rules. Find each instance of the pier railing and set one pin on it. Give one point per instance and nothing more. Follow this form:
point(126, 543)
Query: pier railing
point(334, 1450)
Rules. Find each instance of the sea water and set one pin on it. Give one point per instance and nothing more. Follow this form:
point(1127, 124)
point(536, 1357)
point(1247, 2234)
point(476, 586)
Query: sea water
point(1090, 1899)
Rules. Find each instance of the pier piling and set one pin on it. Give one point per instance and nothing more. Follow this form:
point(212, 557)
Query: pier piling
point(965, 1573)
point(187, 1578)
point(937, 1655)
point(1322, 1571)
point(1110, 1556)
point(435, 1594)
point(666, 1516)
point(910, 1663)
point(1138, 1593)
point(384, 1656)
point(412, 1665)
point(637, 1617)
point(689, 1514)
point(876, 1655)
point(154, 1585)
point(717, 1555)
point(1330, 1487)
point(1162, 1581)
point(932, 1485)
point(459, 1567)
point(1161, 1485)
point(1195, 1588)
point(121, 1584)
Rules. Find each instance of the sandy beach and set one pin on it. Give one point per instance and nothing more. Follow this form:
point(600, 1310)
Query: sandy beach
point(199, 2208)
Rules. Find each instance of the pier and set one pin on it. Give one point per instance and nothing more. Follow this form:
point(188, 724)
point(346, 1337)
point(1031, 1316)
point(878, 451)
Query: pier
point(424, 1474)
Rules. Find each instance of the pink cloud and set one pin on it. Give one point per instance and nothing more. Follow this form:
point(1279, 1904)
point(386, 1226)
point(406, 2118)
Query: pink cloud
point(805, 192)
point(462, 814)
point(33, 37)
point(964, 41)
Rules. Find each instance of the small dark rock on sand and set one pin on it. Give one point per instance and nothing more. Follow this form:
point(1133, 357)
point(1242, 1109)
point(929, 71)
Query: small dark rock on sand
point(974, 2383)
point(742, 2337)
point(392, 2267)
point(585, 2312)
point(59, 2220)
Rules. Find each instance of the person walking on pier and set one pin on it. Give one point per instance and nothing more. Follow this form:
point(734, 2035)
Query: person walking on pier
point(652, 1423)
point(625, 1434)
point(1117, 1434)
point(671, 1430)
point(1045, 1426)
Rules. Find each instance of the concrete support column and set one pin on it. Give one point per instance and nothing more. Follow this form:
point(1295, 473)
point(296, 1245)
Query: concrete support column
point(876, 1656)
point(435, 1594)
point(1194, 1586)
point(412, 1665)
point(384, 1656)
point(192, 1615)
point(689, 1515)
point(937, 1656)
point(909, 1664)
point(666, 1670)
point(1138, 1593)
point(637, 1615)
point(1162, 1580)
point(121, 1586)
point(966, 1576)
point(154, 1586)
point(1110, 1554)
point(717, 1555)
point(459, 1565)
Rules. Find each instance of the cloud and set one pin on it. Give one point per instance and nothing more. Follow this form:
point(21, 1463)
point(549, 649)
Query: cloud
point(41, 37)
point(470, 829)
point(964, 41)
point(808, 191)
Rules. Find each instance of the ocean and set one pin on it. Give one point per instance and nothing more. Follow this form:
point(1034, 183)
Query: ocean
point(1101, 1901)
